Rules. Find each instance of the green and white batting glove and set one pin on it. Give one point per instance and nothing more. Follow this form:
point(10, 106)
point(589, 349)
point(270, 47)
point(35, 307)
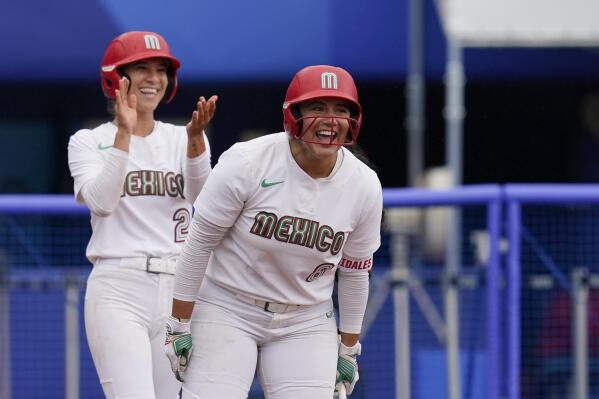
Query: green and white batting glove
point(178, 345)
point(347, 366)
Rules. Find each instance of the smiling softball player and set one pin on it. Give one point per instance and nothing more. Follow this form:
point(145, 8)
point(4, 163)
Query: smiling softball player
point(275, 220)
point(139, 177)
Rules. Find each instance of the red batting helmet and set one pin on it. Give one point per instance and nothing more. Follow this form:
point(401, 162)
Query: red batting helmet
point(320, 81)
point(131, 47)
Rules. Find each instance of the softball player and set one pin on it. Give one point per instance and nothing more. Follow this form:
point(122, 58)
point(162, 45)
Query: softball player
point(275, 220)
point(139, 177)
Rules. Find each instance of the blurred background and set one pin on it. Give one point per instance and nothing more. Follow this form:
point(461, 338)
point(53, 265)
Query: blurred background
point(531, 113)
point(485, 290)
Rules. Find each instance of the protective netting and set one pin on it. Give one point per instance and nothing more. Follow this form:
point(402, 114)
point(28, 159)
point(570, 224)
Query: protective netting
point(44, 257)
point(557, 241)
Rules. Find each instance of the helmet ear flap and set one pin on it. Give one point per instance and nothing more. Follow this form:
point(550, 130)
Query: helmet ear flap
point(121, 74)
point(170, 87)
point(297, 115)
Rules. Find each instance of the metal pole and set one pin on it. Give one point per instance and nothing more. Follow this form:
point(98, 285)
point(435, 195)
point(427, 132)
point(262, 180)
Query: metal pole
point(513, 301)
point(72, 339)
point(415, 92)
point(451, 303)
point(493, 276)
point(580, 339)
point(5, 361)
point(454, 115)
point(454, 109)
point(401, 303)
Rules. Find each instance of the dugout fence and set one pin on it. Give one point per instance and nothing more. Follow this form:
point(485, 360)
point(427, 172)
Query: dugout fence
point(553, 291)
point(512, 321)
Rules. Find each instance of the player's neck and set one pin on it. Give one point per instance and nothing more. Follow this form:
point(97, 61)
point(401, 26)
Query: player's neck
point(145, 125)
point(316, 168)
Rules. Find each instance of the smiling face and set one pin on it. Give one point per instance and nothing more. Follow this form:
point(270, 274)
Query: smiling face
point(149, 81)
point(325, 125)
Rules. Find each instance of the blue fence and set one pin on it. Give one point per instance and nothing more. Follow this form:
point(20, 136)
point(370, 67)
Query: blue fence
point(43, 238)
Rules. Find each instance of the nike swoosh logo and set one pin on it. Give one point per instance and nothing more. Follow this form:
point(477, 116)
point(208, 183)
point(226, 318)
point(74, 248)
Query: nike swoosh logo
point(265, 184)
point(103, 147)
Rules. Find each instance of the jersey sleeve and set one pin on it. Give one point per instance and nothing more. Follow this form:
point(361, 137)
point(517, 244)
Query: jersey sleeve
point(84, 162)
point(365, 239)
point(97, 180)
point(226, 190)
point(196, 171)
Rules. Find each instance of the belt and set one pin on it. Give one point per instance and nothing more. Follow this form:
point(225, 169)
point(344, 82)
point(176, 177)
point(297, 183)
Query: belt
point(272, 307)
point(275, 307)
point(149, 264)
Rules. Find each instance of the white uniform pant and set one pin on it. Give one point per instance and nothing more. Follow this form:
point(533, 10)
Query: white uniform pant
point(295, 352)
point(125, 316)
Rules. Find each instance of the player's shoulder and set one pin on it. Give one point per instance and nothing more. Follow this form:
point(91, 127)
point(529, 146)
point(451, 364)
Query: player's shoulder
point(360, 171)
point(99, 134)
point(259, 149)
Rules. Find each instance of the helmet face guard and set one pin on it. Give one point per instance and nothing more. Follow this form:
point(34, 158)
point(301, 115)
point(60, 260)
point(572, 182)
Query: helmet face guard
point(304, 123)
point(131, 47)
point(321, 81)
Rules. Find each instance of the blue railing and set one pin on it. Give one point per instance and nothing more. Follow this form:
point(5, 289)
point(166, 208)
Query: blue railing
point(491, 197)
point(495, 199)
point(515, 196)
point(488, 196)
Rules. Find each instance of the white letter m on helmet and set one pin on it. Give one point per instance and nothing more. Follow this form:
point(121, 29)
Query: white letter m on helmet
point(328, 80)
point(152, 42)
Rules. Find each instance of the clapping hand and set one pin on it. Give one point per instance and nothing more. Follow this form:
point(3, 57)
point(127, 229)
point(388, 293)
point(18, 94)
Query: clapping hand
point(125, 107)
point(201, 117)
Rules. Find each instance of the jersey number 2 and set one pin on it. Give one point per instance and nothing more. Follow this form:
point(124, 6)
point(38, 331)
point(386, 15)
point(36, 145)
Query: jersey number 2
point(182, 217)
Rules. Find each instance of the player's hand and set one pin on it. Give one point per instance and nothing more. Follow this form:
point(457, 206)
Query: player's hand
point(201, 117)
point(340, 392)
point(178, 345)
point(347, 366)
point(125, 107)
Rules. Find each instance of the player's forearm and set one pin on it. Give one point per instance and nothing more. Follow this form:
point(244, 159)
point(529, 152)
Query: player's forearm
point(195, 173)
point(349, 339)
point(353, 296)
point(195, 146)
point(182, 309)
point(193, 260)
point(122, 140)
point(102, 193)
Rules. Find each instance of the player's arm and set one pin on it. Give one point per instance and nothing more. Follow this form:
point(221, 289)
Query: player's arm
point(98, 178)
point(200, 118)
point(125, 115)
point(182, 310)
point(223, 199)
point(349, 339)
point(354, 275)
point(191, 268)
point(357, 261)
point(217, 208)
point(352, 296)
point(192, 263)
point(197, 165)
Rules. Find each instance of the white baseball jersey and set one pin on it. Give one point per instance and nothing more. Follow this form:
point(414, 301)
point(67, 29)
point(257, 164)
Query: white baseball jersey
point(152, 216)
point(288, 232)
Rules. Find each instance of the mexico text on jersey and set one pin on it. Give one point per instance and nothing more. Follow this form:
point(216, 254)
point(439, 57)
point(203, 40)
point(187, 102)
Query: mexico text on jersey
point(153, 182)
point(299, 231)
